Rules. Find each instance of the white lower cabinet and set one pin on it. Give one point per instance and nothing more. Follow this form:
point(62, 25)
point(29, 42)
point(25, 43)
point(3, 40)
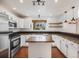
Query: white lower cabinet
point(72, 50)
point(56, 40)
point(23, 40)
point(63, 46)
point(67, 47)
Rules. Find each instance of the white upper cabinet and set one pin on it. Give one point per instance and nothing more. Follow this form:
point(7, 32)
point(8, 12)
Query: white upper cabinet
point(24, 23)
point(28, 23)
point(20, 23)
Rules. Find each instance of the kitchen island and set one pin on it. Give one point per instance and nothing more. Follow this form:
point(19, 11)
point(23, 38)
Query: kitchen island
point(40, 46)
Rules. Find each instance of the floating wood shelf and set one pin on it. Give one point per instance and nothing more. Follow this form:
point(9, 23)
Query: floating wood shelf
point(39, 20)
point(55, 23)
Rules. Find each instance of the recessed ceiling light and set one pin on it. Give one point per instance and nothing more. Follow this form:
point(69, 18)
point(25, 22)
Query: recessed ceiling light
point(14, 8)
point(39, 10)
point(56, 1)
point(21, 1)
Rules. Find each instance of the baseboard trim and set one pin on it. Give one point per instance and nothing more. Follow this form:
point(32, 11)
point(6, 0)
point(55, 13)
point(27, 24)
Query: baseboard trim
point(54, 47)
point(24, 46)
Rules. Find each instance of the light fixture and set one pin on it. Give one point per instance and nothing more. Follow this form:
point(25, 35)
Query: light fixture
point(73, 19)
point(56, 1)
point(39, 16)
point(39, 2)
point(21, 1)
point(65, 16)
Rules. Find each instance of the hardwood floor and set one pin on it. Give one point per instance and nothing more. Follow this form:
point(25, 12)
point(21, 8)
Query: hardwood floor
point(56, 53)
point(23, 53)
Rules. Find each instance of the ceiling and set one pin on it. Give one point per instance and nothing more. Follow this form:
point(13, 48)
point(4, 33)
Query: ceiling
point(51, 9)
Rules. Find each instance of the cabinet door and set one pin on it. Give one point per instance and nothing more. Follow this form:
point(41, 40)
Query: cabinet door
point(72, 50)
point(20, 23)
point(63, 46)
point(57, 41)
point(53, 38)
point(22, 40)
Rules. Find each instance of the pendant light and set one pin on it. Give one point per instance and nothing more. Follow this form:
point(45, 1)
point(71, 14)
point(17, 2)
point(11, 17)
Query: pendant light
point(38, 2)
point(65, 16)
point(73, 7)
point(39, 16)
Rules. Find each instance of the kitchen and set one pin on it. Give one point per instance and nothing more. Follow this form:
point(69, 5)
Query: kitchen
point(39, 29)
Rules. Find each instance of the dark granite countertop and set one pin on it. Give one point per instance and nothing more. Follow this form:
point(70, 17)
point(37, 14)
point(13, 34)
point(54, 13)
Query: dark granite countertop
point(50, 32)
point(70, 36)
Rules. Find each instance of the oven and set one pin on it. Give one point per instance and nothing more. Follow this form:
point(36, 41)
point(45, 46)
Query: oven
point(12, 24)
point(14, 44)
